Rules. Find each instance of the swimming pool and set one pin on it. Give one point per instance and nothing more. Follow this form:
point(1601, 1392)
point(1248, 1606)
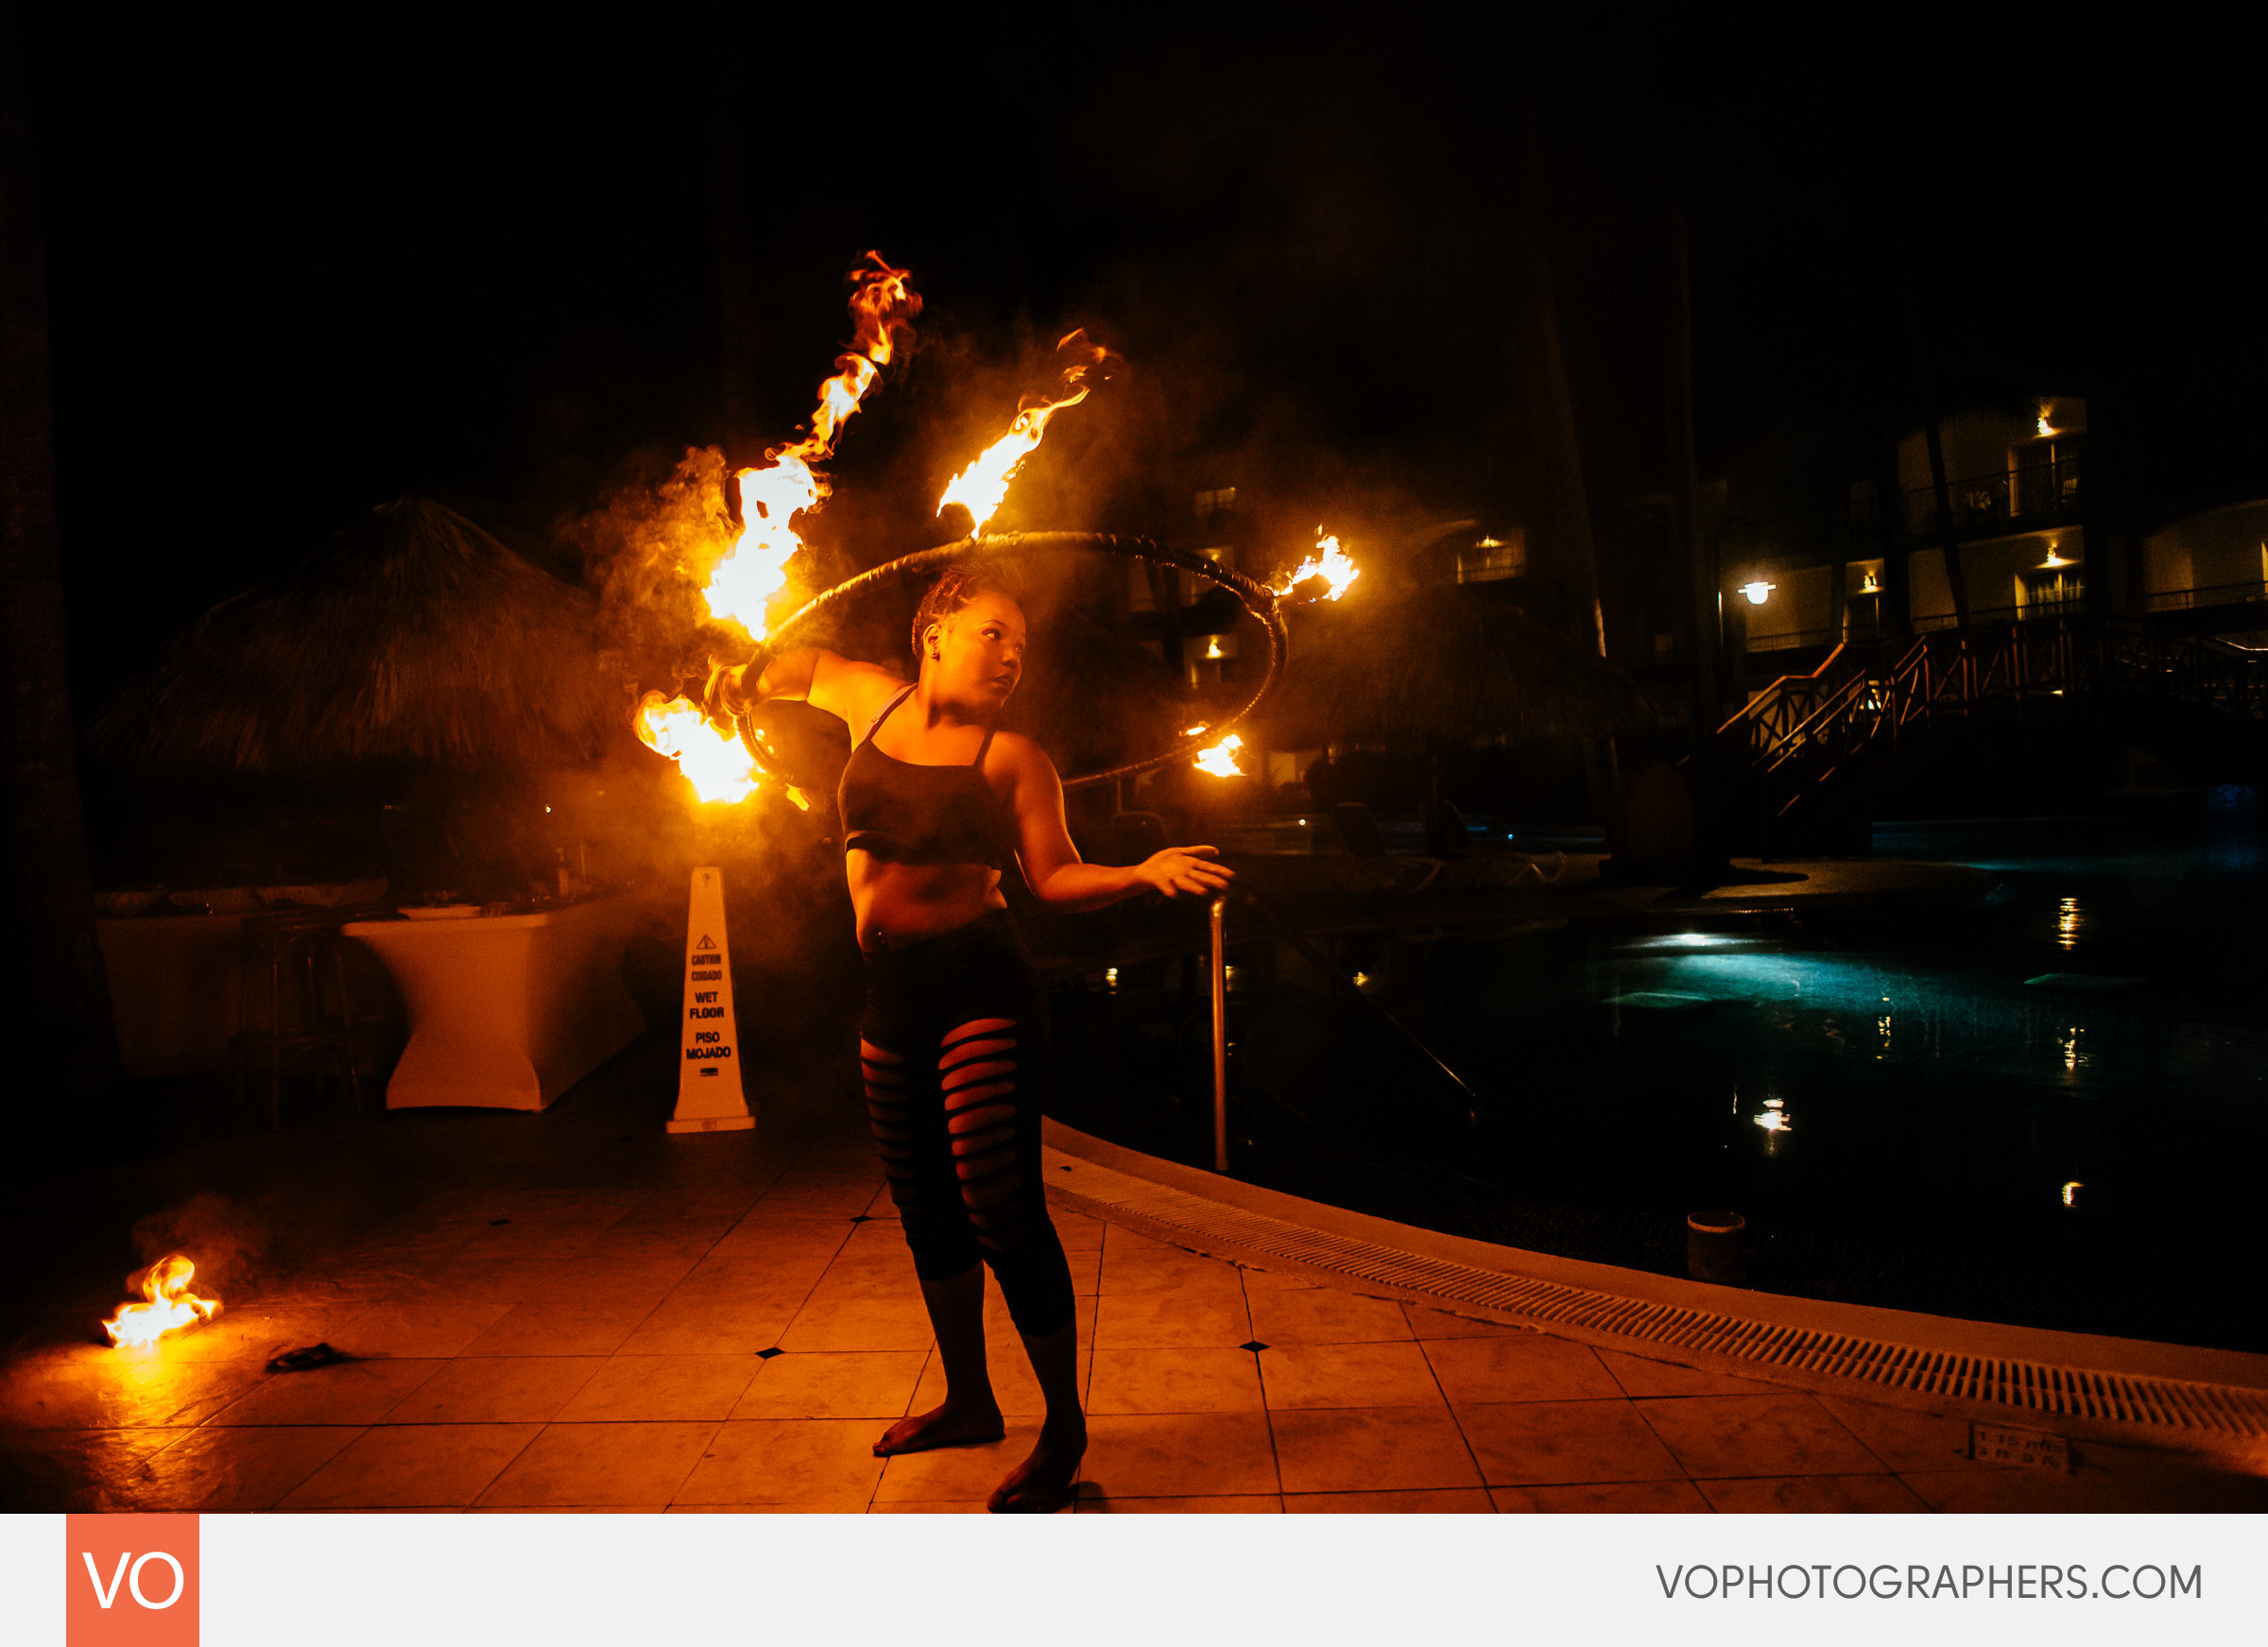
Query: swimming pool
point(2046, 1108)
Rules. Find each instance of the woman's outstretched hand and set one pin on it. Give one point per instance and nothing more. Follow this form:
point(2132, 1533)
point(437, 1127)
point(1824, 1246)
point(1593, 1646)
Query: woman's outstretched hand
point(1179, 870)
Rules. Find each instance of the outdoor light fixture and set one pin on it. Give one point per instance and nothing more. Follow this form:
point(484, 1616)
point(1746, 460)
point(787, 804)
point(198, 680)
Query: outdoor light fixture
point(1759, 591)
point(2070, 1192)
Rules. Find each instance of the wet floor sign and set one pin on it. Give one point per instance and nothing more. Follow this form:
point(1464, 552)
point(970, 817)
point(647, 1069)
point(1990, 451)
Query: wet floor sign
point(709, 1098)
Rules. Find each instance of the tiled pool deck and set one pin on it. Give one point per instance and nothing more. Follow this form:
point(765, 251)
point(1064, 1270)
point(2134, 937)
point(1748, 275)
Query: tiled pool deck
point(566, 1315)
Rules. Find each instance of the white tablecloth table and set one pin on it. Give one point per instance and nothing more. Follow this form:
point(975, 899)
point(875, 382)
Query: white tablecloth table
point(507, 1011)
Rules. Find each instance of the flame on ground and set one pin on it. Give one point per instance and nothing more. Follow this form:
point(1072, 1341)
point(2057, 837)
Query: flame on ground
point(1221, 759)
point(754, 570)
point(168, 1303)
point(980, 488)
point(719, 766)
point(1328, 562)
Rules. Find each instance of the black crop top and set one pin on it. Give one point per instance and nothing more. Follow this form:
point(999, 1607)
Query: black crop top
point(906, 812)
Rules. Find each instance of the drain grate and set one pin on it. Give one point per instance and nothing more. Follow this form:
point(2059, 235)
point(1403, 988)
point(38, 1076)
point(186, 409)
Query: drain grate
point(2033, 1385)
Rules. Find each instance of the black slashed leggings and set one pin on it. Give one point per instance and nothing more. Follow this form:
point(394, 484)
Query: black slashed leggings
point(953, 1046)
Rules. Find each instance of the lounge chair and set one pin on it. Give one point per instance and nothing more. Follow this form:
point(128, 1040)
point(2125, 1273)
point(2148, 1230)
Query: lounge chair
point(1367, 844)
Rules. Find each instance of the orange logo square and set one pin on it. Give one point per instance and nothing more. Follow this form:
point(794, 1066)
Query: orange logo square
point(129, 1581)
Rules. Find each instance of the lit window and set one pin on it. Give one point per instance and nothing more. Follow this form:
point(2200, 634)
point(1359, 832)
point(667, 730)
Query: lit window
point(1491, 558)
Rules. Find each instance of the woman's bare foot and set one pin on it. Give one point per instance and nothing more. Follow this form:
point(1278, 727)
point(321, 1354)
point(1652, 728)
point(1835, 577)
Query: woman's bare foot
point(1040, 1485)
point(967, 1425)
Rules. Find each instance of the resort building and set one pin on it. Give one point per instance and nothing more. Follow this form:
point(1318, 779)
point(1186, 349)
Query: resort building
point(1985, 517)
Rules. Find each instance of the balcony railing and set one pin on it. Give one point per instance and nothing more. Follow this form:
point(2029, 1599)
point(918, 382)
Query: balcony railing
point(2037, 491)
point(2071, 603)
point(1864, 622)
point(1788, 640)
point(2215, 594)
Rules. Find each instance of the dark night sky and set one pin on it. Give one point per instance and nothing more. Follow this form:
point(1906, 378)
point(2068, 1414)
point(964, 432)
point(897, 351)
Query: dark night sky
point(295, 274)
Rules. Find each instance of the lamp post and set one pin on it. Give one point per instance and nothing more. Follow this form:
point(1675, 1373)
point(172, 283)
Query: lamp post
point(1720, 671)
point(1731, 606)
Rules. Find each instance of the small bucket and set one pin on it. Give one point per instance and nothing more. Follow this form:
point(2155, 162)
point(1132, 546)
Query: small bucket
point(1716, 1247)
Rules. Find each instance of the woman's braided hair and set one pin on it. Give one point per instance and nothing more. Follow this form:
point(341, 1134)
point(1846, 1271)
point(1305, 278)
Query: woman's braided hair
point(956, 587)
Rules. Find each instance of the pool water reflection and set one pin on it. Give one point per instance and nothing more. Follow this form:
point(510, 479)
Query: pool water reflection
point(2046, 1109)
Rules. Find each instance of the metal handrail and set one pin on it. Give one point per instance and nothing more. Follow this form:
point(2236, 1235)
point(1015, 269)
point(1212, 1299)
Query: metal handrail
point(1316, 957)
point(1217, 916)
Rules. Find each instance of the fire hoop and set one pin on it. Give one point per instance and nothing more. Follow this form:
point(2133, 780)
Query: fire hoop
point(1257, 600)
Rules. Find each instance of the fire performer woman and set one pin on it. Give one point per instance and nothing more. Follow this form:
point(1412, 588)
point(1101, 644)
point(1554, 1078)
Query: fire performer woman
point(954, 1042)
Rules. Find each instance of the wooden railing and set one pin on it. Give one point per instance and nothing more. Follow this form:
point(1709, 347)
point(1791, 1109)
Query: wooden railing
point(1799, 732)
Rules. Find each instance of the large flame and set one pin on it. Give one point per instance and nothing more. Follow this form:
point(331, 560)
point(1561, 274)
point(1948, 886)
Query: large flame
point(168, 1303)
point(1328, 562)
point(717, 765)
point(980, 488)
point(754, 570)
point(1221, 759)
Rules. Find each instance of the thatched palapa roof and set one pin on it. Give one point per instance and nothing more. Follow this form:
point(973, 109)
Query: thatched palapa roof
point(412, 636)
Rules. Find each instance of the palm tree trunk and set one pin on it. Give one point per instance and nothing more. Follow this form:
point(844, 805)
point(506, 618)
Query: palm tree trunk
point(1890, 528)
point(1574, 551)
point(1949, 536)
point(1711, 800)
point(1708, 620)
point(46, 904)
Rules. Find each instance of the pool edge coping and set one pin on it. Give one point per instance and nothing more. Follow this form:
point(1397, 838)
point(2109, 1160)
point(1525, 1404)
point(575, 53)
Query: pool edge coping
point(2096, 1356)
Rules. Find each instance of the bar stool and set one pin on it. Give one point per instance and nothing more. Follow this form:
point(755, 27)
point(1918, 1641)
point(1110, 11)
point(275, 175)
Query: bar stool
point(295, 1008)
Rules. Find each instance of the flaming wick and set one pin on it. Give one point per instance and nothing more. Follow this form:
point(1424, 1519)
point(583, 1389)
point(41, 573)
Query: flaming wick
point(1328, 562)
point(1221, 759)
point(716, 764)
point(980, 488)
